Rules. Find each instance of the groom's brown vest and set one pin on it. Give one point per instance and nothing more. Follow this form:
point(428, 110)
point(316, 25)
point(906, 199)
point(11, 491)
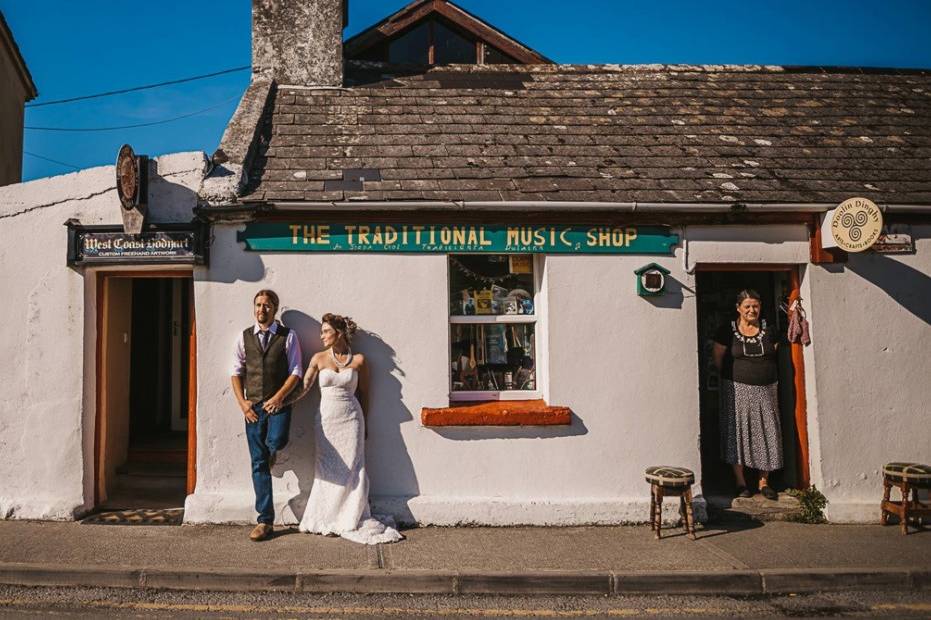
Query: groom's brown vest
point(266, 371)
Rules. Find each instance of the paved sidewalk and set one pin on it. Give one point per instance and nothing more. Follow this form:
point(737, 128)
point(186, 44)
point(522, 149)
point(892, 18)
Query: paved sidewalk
point(741, 559)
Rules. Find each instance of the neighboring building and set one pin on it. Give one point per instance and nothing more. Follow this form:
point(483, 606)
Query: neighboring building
point(18, 88)
point(485, 224)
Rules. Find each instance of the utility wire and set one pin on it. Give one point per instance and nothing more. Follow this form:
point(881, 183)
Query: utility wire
point(137, 88)
point(49, 159)
point(137, 125)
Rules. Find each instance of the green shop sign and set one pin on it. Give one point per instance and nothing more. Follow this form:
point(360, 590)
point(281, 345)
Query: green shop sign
point(457, 238)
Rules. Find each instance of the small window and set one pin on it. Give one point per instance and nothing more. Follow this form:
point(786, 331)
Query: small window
point(411, 47)
point(493, 320)
point(495, 56)
point(450, 47)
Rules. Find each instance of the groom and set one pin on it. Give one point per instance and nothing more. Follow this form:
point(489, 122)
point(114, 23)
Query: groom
point(266, 367)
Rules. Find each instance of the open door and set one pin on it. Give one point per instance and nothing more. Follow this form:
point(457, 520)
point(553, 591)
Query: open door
point(146, 361)
point(716, 292)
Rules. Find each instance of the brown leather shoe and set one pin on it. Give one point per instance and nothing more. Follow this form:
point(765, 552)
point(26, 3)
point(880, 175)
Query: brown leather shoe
point(260, 532)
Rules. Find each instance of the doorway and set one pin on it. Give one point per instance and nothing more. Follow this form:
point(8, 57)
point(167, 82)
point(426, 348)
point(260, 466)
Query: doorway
point(716, 296)
point(146, 363)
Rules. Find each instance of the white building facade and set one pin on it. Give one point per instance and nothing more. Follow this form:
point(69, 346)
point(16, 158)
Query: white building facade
point(621, 378)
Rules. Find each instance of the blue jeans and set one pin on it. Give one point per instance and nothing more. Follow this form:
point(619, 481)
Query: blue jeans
point(268, 435)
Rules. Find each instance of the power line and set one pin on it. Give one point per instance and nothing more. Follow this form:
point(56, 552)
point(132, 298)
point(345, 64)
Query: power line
point(137, 125)
point(137, 88)
point(49, 159)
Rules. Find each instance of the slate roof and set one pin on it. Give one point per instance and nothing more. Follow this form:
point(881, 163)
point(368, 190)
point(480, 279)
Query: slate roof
point(712, 134)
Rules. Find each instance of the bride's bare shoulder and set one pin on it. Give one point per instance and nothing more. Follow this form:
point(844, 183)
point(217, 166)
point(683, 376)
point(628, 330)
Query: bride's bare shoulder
point(317, 357)
point(360, 357)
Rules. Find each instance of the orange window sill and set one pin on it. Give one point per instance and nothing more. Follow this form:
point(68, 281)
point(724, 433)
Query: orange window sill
point(497, 413)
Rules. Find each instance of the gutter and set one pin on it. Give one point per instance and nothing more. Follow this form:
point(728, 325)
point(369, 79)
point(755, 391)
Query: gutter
point(249, 209)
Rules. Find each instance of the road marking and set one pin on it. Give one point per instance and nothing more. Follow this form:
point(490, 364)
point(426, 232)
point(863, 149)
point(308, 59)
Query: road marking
point(374, 611)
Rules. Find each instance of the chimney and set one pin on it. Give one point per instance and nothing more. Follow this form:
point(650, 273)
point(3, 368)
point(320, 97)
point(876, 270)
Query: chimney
point(299, 42)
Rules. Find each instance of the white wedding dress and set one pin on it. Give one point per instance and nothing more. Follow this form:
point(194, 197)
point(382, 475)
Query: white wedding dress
point(339, 499)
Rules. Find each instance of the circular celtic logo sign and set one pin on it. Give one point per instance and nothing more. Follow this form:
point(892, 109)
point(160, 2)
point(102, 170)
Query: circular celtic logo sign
point(856, 224)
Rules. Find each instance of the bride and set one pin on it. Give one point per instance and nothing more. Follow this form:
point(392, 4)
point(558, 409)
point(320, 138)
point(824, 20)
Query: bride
point(339, 499)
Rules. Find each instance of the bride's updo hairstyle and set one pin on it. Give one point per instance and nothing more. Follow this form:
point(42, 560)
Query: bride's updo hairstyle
point(344, 325)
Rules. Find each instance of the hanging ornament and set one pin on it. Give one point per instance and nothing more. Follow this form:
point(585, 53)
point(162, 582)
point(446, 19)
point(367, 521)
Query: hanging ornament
point(477, 276)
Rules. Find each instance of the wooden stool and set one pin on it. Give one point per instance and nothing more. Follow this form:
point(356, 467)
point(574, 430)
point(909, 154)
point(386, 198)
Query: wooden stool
point(908, 477)
point(673, 481)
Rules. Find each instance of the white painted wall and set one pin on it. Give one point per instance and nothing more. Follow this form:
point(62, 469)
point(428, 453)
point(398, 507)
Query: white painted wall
point(399, 303)
point(47, 347)
point(871, 326)
point(627, 367)
point(776, 243)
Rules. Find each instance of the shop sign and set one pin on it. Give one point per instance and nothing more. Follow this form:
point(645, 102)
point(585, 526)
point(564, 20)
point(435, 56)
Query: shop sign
point(132, 188)
point(855, 225)
point(109, 245)
point(457, 238)
point(899, 242)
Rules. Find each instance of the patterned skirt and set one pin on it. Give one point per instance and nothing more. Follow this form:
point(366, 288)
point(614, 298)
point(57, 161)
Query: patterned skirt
point(751, 434)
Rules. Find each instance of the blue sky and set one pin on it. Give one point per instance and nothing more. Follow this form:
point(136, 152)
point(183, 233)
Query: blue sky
point(82, 47)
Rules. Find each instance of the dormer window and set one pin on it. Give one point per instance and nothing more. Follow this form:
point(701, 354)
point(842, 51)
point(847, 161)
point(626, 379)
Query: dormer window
point(436, 32)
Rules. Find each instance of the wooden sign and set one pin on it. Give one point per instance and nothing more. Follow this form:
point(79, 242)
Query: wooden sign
point(855, 225)
point(163, 245)
point(457, 238)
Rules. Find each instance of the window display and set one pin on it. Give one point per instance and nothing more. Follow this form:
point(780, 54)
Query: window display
point(492, 357)
point(493, 325)
point(490, 284)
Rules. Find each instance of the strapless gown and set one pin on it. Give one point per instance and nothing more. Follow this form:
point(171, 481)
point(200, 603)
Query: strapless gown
point(339, 498)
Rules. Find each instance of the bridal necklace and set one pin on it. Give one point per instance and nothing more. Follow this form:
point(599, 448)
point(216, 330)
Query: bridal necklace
point(336, 359)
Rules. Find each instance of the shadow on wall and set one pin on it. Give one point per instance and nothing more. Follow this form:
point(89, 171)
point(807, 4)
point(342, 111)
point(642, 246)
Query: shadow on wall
point(298, 457)
point(230, 262)
point(909, 287)
point(673, 297)
point(387, 415)
point(169, 201)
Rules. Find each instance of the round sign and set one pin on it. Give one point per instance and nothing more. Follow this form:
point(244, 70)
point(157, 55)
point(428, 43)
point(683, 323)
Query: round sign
point(856, 224)
point(127, 177)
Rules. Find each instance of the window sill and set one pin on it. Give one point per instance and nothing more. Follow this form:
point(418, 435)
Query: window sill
point(497, 413)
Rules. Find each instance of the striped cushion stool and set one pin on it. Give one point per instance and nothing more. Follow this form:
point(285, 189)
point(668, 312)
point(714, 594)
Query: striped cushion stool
point(908, 477)
point(674, 481)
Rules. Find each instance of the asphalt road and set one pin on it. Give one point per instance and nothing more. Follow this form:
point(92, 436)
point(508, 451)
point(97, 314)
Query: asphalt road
point(23, 602)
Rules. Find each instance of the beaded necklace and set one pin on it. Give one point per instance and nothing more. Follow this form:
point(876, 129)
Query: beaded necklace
point(752, 345)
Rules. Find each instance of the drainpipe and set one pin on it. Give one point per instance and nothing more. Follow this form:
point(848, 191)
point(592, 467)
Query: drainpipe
point(685, 252)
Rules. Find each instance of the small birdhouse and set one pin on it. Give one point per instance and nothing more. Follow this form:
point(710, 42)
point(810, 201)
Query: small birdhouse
point(651, 280)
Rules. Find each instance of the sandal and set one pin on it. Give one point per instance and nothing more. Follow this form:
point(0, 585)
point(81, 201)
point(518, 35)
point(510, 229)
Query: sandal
point(769, 493)
point(744, 492)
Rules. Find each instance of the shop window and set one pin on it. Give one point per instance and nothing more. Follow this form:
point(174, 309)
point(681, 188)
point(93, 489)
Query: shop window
point(493, 325)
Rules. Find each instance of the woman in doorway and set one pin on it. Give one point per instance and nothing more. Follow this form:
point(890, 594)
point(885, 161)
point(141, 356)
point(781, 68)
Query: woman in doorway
point(745, 355)
point(339, 499)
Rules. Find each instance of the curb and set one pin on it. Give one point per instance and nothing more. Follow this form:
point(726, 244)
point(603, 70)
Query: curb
point(727, 583)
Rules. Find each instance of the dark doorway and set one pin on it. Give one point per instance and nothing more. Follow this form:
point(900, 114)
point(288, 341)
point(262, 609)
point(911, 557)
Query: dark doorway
point(146, 342)
point(716, 295)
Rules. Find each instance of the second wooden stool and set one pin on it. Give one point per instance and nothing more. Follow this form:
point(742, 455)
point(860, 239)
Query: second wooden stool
point(908, 477)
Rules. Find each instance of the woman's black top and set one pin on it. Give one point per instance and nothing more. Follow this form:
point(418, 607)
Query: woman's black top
point(748, 360)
